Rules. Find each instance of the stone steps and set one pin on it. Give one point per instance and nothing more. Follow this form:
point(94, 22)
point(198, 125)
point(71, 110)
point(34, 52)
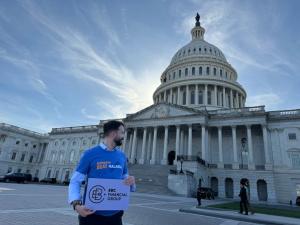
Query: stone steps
point(152, 179)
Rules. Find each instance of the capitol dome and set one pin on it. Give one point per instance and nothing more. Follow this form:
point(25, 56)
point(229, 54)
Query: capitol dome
point(200, 77)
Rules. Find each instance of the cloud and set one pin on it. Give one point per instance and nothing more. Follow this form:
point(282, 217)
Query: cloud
point(86, 63)
point(273, 100)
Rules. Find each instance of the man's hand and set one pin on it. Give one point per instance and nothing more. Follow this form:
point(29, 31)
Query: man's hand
point(130, 180)
point(82, 211)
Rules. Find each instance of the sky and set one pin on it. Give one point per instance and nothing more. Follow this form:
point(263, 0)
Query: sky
point(72, 63)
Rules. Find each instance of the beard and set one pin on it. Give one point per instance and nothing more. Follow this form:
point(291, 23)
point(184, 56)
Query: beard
point(118, 142)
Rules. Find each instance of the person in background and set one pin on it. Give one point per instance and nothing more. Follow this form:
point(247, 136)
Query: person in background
point(243, 199)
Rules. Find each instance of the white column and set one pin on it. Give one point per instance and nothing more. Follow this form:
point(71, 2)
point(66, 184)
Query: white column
point(231, 99)
point(224, 97)
point(133, 150)
point(203, 142)
point(142, 159)
point(197, 95)
point(171, 96)
point(268, 165)
point(130, 146)
point(237, 100)
point(178, 95)
point(124, 142)
point(187, 96)
point(205, 94)
point(153, 156)
point(235, 158)
point(220, 139)
point(249, 136)
point(164, 160)
point(190, 140)
point(177, 141)
point(216, 94)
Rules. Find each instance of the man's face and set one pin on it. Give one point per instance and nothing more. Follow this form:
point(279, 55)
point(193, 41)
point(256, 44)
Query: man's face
point(119, 136)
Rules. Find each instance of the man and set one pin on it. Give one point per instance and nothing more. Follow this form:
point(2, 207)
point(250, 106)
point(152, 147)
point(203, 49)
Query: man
point(104, 161)
point(199, 196)
point(244, 199)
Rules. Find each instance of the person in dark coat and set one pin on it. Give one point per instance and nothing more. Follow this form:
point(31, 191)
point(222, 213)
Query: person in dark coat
point(199, 196)
point(244, 199)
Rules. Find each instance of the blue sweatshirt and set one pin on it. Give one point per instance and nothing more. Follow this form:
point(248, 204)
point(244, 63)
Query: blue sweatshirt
point(99, 162)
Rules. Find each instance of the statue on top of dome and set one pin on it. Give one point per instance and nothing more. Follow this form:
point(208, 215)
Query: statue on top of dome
point(197, 20)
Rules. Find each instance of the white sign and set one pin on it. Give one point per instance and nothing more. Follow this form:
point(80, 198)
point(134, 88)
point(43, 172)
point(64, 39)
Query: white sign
point(107, 194)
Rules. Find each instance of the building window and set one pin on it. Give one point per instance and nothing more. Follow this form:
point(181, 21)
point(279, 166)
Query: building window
point(184, 98)
point(2, 138)
point(200, 99)
point(74, 143)
point(207, 70)
point(226, 74)
point(26, 144)
point(31, 158)
point(13, 157)
point(295, 159)
point(27, 171)
point(19, 170)
point(179, 73)
point(34, 146)
point(215, 71)
point(186, 71)
point(93, 142)
point(9, 170)
point(200, 70)
point(22, 157)
point(56, 143)
point(221, 73)
point(17, 142)
point(292, 136)
point(193, 71)
point(199, 49)
point(209, 97)
point(192, 97)
point(173, 75)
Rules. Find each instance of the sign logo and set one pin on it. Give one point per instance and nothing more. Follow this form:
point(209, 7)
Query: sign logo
point(96, 194)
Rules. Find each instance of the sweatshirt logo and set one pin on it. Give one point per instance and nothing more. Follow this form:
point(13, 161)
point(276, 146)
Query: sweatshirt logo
point(107, 164)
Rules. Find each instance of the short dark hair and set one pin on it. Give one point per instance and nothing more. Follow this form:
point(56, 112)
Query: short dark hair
point(111, 126)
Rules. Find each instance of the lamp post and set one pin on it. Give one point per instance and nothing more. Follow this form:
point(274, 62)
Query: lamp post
point(181, 161)
point(243, 142)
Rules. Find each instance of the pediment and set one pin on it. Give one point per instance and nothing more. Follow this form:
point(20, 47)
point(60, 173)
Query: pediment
point(163, 110)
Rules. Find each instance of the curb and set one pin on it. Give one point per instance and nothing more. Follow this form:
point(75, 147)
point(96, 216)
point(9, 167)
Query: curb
point(209, 212)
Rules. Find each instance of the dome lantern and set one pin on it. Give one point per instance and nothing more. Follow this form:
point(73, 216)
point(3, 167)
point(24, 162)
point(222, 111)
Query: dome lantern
point(198, 31)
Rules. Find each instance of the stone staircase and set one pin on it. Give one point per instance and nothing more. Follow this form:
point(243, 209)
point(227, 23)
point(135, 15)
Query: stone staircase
point(151, 179)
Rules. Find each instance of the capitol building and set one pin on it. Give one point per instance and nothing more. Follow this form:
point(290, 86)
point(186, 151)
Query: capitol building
point(198, 120)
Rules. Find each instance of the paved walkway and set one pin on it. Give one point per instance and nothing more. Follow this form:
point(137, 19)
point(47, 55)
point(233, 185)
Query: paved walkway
point(256, 218)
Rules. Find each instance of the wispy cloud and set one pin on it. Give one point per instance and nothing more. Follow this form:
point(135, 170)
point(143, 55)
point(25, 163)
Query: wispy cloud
point(273, 100)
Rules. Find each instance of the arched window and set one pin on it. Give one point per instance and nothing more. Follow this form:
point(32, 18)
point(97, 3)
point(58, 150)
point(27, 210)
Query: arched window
point(49, 174)
point(215, 71)
point(221, 73)
point(209, 97)
point(193, 71)
point(186, 71)
point(72, 156)
point(192, 100)
point(200, 98)
point(207, 70)
point(200, 70)
point(184, 98)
